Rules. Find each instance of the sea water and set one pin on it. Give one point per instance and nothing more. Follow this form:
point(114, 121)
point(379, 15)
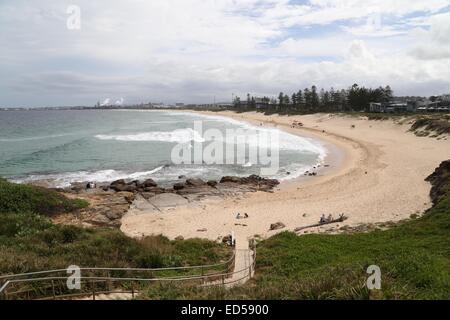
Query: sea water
point(65, 146)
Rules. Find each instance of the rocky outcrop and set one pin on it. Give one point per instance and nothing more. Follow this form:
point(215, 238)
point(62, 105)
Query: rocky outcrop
point(110, 202)
point(105, 209)
point(178, 186)
point(196, 182)
point(212, 183)
point(149, 183)
point(277, 226)
point(440, 181)
point(255, 182)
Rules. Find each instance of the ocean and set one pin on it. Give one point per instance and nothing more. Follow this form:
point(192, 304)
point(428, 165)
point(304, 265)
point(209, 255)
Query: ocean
point(65, 146)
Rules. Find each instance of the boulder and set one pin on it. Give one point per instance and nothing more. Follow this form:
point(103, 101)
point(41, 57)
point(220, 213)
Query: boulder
point(231, 179)
point(212, 183)
point(178, 186)
point(195, 182)
point(227, 239)
point(128, 196)
point(118, 182)
point(121, 185)
point(155, 190)
point(114, 214)
point(149, 183)
point(277, 226)
point(253, 180)
point(99, 220)
point(129, 188)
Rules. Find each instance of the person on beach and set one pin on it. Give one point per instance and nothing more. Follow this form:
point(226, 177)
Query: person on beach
point(330, 217)
point(323, 219)
point(245, 215)
point(238, 216)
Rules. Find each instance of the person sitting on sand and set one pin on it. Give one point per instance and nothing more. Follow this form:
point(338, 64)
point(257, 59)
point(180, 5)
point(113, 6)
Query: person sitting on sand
point(323, 219)
point(238, 216)
point(330, 218)
point(245, 215)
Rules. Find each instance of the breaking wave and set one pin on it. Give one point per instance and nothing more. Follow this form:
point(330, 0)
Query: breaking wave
point(63, 180)
point(179, 136)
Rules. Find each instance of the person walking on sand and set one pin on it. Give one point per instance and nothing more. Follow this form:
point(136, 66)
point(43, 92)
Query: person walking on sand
point(323, 219)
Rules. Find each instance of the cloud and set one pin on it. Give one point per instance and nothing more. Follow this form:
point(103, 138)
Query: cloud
point(193, 50)
point(434, 43)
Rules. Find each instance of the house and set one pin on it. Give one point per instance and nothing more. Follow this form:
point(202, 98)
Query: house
point(391, 107)
point(376, 107)
point(262, 103)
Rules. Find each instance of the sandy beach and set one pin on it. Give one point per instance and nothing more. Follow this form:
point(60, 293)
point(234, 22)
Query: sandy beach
point(376, 174)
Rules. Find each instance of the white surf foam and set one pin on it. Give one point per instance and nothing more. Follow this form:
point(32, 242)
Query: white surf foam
point(64, 180)
point(287, 141)
point(179, 136)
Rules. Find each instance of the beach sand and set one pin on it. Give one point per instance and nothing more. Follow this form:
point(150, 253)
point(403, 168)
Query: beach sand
point(376, 174)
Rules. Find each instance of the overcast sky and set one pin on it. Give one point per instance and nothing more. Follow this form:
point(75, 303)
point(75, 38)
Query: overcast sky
point(193, 50)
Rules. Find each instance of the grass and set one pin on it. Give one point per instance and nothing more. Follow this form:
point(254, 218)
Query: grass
point(18, 198)
point(436, 125)
point(29, 241)
point(414, 257)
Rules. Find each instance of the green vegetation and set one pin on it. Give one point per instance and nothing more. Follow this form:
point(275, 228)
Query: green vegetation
point(18, 198)
point(438, 126)
point(414, 257)
point(312, 100)
point(29, 241)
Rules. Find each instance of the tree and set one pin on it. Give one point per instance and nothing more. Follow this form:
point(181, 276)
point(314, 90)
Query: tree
point(314, 99)
point(280, 100)
point(294, 101)
point(300, 100)
point(308, 99)
point(388, 93)
point(237, 102)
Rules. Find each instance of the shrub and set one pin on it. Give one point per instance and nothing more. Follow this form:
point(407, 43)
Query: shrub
point(17, 198)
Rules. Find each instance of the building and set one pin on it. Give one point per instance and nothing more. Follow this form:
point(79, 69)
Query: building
point(376, 107)
point(391, 107)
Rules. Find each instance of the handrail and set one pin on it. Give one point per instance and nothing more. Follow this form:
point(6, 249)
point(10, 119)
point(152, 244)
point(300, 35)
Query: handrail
point(205, 277)
point(121, 269)
point(118, 279)
point(180, 278)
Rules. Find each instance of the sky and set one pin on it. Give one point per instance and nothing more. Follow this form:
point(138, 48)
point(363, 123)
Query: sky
point(77, 52)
